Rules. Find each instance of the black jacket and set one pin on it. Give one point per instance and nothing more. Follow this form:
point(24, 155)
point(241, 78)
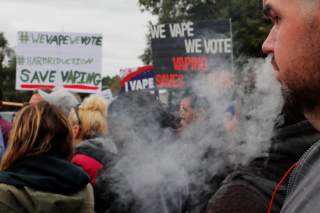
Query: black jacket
point(249, 189)
point(103, 151)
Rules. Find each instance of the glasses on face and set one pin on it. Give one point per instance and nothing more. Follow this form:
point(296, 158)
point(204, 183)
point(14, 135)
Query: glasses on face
point(76, 110)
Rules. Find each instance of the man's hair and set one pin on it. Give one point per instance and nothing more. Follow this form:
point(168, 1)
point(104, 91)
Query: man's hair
point(197, 103)
point(38, 129)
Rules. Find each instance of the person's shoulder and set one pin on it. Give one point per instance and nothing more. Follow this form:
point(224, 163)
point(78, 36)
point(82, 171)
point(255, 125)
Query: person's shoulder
point(243, 191)
point(7, 188)
point(81, 201)
point(306, 164)
point(236, 196)
point(305, 183)
point(9, 196)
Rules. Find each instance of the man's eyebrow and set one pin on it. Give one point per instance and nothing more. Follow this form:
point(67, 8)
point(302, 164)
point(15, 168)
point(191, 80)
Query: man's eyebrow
point(267, 10)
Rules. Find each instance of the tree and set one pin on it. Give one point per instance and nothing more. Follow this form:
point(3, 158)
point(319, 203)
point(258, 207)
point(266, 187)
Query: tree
point(112, 83)
point(249, 28)
point(3, 46)
point(8, 73)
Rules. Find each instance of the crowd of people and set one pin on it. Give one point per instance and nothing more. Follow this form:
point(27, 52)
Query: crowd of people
point(64, 154)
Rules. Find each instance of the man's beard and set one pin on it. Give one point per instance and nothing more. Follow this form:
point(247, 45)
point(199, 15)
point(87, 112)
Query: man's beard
point(292, 110)
point(306, 98)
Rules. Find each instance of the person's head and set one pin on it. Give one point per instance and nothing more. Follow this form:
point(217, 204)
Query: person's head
point(89, 119)
point(36, 97)
point(38, 129)
point(137, 114)
point(192, 108)
point(61, 98)
point(294, 41)
point(186, 111)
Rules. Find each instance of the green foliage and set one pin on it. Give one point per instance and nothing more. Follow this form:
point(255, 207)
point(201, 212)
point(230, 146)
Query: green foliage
point(112, 83)
point(249, 28)
point(8, 74)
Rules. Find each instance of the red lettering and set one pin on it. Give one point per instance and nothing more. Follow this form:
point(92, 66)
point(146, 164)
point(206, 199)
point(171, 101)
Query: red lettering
point(170, 80)
point(199, 64)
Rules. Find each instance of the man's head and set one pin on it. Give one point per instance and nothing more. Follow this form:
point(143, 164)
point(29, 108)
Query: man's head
point(137, 114)
point(193, 108)
point(186, 111)
point(294, 41)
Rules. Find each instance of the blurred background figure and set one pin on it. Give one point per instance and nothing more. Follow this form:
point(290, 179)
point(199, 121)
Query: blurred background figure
point(2, 147)
point(231, 116)
point(36, 175)
point(5, 127)
point(193, 109)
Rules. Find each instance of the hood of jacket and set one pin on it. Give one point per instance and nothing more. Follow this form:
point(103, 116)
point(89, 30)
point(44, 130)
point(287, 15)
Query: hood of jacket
point(98, 147)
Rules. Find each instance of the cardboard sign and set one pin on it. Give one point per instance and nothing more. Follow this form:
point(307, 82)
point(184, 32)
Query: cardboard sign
point(53, 60)
point(182, 50)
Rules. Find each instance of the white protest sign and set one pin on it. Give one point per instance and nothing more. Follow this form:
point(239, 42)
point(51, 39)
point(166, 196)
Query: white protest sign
point(53, 60)
point(107, 94)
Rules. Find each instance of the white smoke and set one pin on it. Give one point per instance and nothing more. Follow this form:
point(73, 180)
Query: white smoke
point(168, 167)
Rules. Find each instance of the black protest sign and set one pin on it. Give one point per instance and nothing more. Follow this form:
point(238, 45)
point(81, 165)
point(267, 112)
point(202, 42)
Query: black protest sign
point(182, 50)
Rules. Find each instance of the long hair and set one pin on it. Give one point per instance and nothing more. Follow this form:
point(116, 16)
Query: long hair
point(91, 116)
point(38, 129)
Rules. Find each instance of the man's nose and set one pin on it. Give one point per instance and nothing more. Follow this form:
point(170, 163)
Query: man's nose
point(268, 44)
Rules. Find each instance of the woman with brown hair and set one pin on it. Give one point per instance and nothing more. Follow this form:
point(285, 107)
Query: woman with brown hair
point(36, 175)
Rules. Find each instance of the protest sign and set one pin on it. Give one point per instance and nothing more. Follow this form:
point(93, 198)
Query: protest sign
point(182, 50)
point(52, 60)
point(124, 72)
point(139, 79)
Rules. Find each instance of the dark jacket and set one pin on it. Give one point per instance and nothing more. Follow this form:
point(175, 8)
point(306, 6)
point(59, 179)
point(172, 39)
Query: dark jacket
point(304, 184)
point(95, 156)
point(45, 184)
point(249, 189)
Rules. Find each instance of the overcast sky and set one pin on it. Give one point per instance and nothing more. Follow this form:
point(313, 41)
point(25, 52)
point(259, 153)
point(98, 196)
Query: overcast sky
point(121, 22)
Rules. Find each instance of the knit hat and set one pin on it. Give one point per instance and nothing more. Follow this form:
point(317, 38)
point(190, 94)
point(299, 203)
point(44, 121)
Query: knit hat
point(62, 99)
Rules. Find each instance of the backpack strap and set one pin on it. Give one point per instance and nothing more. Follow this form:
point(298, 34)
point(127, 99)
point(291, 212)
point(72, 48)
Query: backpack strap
point(279, 184)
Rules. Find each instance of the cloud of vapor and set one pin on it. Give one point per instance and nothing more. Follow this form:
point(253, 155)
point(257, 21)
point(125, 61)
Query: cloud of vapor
point(259, 110)
point(163, 170)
